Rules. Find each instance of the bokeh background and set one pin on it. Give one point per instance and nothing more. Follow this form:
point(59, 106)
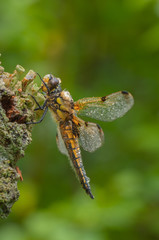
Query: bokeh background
point(96, 48)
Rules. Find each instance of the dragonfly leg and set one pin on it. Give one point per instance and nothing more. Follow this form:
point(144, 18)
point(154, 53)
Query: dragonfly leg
point(44, 113)
point(48, 90)
point(39, 107)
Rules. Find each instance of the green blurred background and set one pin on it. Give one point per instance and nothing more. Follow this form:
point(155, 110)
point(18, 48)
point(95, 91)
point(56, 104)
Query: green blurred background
point(96, 48)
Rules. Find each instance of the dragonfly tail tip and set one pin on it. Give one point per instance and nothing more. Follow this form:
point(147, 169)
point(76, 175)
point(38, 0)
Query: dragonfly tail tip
point(90, 194)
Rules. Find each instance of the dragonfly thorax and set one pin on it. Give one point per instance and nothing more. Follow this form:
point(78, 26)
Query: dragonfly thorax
point(61, 105)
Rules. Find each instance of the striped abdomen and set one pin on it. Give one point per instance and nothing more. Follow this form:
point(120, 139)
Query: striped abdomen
point(72, 145)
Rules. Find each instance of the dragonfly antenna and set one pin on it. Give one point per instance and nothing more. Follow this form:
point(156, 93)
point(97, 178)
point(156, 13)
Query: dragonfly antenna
point(48, 90)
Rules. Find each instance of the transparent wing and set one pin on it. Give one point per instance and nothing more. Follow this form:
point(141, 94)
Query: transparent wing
point(106, 108)
point(60, 143)
point(91, 136)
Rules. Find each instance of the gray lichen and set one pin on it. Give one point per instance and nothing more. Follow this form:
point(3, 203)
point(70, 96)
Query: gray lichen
point(16, 108)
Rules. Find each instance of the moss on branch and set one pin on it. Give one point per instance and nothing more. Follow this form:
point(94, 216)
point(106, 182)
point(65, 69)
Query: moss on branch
point(16, 108)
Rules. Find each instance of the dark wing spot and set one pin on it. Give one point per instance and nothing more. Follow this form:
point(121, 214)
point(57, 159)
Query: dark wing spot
point(98, 126)
point(86, 124)
point(100, 131)
point(103, 98)
point(125, 92)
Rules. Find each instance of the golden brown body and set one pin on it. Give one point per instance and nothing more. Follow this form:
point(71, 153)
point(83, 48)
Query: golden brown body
point(72, 130)
point(62, 109)
point(72, 145)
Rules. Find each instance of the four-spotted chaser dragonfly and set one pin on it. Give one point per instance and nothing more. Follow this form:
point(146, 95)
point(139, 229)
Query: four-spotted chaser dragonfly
point(73, 131)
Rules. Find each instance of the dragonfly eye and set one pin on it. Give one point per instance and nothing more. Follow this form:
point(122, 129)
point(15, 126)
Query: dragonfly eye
point(51, 81)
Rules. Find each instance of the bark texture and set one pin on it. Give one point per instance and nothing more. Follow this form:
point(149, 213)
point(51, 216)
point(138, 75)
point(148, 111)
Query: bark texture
point(16, 108)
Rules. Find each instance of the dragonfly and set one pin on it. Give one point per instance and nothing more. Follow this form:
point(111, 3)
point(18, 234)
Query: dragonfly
point(72, 131)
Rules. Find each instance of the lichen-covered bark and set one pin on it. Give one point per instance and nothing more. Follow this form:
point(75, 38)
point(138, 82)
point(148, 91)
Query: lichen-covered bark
point(16, 108)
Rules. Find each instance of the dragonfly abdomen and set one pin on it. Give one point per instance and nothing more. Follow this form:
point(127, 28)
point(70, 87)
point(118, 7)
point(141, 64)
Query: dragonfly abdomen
point(72, 146)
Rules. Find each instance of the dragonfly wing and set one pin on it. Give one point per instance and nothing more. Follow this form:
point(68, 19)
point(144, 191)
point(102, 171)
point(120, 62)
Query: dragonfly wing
point(106, 108)
point(60, 143)
point(91, 136)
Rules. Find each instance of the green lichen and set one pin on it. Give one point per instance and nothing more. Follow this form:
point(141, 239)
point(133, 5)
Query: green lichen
point(16, 108)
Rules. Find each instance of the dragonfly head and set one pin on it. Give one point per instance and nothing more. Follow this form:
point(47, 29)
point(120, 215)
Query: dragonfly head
point(52, 83)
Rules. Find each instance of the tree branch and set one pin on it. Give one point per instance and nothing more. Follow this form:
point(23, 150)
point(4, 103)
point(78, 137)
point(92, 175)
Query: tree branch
point(16, 108)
